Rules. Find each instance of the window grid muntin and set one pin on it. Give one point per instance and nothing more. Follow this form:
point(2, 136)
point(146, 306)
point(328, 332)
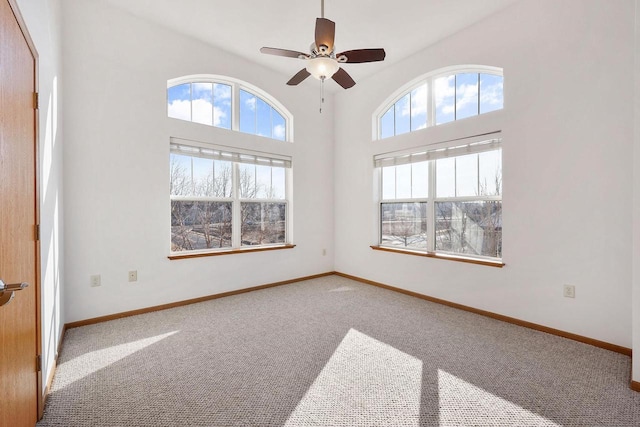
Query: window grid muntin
point(236, 210)
point(429, 80)
point(431, 202)
point(236, 85)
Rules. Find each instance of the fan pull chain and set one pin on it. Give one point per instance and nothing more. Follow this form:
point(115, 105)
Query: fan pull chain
point(321, 92)
point(322, 8)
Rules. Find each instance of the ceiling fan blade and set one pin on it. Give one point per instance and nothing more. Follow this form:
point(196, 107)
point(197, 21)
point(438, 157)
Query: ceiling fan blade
point(282, 52)
point(343, 78)
point(363, 55)
point(325, 34)
point(299, 77)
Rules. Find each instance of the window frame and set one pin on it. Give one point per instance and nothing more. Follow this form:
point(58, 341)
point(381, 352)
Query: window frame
point(236, 86)
point(429, 79)
point(236, 202)
point(431, 200)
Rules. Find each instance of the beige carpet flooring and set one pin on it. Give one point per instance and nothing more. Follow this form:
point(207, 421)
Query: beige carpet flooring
point(332, 352)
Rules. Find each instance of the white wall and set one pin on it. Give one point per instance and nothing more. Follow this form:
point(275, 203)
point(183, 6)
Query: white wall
point(636, 206)
point(42, 18)
point(567, 137)
point(117, 158)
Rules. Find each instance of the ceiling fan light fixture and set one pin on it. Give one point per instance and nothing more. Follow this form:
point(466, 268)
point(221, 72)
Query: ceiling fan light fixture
point(322, 67)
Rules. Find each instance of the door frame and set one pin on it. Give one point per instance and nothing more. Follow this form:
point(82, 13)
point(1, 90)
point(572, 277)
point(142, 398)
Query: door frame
point(36, 142)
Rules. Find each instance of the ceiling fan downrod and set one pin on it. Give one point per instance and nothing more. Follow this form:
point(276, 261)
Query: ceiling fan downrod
point(322, 61)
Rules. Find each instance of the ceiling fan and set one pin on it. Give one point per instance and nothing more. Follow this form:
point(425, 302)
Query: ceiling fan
point(322, 61)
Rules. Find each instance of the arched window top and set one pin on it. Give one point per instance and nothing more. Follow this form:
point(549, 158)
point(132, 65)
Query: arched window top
point(228, 103)
point(441, 96)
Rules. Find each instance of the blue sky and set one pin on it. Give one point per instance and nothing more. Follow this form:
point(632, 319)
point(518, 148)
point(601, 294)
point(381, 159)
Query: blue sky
point(210, 104)
point(456, 97)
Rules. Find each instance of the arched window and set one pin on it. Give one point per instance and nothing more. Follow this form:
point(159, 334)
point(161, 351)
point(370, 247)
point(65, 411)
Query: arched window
point(439, 97)
point(228, 103)
point(444, 198)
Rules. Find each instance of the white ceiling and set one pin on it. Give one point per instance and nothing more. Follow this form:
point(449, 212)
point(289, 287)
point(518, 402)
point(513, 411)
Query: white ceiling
point(401, 27)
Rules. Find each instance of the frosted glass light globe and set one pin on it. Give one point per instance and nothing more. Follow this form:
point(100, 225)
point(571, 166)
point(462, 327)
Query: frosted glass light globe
point(322, 67)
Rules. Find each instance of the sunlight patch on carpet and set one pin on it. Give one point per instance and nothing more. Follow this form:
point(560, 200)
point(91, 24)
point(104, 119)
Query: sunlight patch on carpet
point(88, 363)
point(462, 403)
point(342, 289)
point(365, 382)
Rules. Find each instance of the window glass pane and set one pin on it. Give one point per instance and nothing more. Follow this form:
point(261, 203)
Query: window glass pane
point(445, 98)
point(279, 128)
point(278, 183)
point(403, 181)
point(223, 174)
point(247, 112)
point(404, 225)
point(473, 228)
point(389, 182)
point(419, 179)
point(180, 175)
point(200, 225)
point(202, 104)
point(467, 175)
point(247, 181)
point(179, 101)
point(202, 176)
point(466, 95)
point(445, 178)
point(491, 173)
point(403, 122)
point(262, 223)
point(419, 107)
point(263, 182)
point(491, 95)
point(222, 106)
point(387, 127)
point(263, 111)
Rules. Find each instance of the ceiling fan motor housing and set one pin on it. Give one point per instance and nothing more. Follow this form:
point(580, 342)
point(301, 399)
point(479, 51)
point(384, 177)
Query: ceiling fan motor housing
point(323, 62)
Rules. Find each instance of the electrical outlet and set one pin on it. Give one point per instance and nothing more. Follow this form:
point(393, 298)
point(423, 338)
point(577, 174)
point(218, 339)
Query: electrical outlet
point(133, 276)
point(94, 280)
point(569, 291)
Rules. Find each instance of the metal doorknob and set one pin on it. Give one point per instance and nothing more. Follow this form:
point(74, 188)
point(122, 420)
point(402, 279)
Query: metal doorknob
point(7, 291)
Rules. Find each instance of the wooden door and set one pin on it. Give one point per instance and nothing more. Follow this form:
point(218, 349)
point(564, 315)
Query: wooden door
point(18, 245)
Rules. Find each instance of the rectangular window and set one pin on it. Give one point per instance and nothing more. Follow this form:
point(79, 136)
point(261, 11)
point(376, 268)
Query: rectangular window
point(446, 200)
point(226, 200)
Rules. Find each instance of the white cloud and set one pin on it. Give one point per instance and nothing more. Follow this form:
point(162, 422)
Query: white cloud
point(180, 109)
point(444, 88)
point(403, 104)
point(467, 94)
point(278, 131)
point(202, 110)
point(221, 92)
point(448, 109)
point(444, 92)
point(202, 91)
point(218, 115)
point(492, 94)
point(251, 103)
point(419, 100)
